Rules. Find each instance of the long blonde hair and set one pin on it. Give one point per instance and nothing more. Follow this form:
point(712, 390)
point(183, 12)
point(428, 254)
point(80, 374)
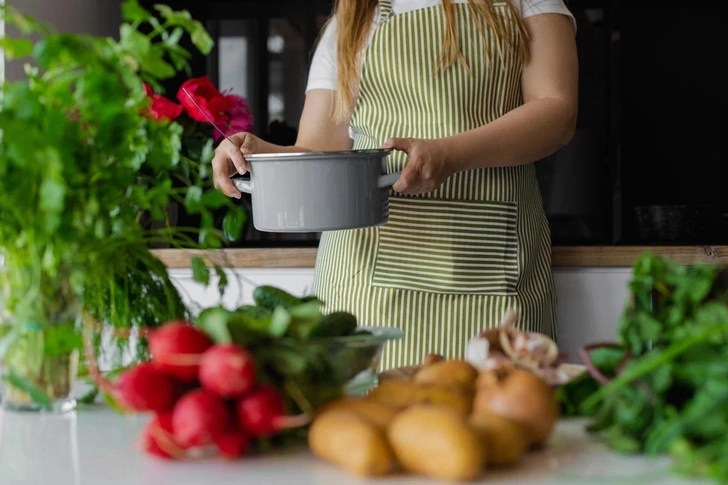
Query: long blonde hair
point(354, 19)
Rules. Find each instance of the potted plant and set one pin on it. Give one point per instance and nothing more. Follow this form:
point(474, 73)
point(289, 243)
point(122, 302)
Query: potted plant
point(83, 159)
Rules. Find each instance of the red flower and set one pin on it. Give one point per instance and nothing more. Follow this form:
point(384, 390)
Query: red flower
point(161, 107)
point(210, 100)
point(240, 117)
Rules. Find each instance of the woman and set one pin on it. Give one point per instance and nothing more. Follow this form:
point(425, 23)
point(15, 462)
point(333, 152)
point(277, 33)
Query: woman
point(469, 93)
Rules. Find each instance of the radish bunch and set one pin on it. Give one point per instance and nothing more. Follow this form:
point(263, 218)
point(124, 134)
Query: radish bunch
point(204, 396)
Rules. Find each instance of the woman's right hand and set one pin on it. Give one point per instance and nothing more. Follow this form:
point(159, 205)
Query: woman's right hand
point(229, 159)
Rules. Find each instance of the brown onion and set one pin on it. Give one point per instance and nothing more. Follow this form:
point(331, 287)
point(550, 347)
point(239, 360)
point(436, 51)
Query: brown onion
point(520, 395)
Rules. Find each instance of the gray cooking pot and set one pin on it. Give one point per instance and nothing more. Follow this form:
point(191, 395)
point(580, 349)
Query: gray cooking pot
point(318, 191)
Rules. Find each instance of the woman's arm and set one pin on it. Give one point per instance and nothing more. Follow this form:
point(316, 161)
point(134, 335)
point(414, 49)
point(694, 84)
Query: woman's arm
point(539, 127)
point(317, 132)
point(547, 119)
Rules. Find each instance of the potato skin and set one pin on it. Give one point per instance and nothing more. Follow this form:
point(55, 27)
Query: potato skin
point(448, 373)
point(437, 442)
point(344, 438)
point(373, 411)
point(403, 394)
point(506, 440)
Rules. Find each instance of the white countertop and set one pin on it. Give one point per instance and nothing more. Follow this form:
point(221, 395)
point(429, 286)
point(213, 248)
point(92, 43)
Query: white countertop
point(96, 446)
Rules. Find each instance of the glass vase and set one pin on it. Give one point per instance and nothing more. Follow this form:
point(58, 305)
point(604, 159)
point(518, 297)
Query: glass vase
point(40, 365)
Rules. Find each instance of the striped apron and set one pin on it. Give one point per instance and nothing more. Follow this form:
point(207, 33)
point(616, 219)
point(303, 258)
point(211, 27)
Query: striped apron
point(449, 263)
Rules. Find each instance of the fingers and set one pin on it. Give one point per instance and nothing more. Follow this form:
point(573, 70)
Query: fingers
point(409, 182)
point(401, 144)
point(221, 178)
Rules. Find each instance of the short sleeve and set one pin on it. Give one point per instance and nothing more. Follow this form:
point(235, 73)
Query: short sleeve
point(529, 8)
point(322, 73)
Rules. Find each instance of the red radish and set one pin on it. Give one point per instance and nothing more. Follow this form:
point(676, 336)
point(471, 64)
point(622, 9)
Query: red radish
point(261, 413)
point(176, 348)
point(227, 370)
point(157, 439)
point(232, 444)
point(199, 416)
point(143, 388)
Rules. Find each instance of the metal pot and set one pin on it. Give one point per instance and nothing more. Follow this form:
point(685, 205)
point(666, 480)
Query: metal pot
point(318, 191)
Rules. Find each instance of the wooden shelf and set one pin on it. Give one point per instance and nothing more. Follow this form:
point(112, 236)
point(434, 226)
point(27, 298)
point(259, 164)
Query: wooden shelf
point(563, 256)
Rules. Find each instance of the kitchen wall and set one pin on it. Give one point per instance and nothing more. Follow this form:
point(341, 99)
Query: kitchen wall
point(95, 17)
point(590, 299)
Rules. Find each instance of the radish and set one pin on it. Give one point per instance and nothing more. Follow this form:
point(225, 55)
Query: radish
point(232, 444)
point(157, 439)
point(261, 413)
point(227, 370)
point(143, 388)
point(176, 348)
point(198, 417)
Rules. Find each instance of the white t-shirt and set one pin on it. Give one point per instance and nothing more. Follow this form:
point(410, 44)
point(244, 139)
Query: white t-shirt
point(322, 74)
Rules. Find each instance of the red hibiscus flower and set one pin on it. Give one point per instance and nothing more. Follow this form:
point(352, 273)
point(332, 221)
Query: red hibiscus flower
point(240, 117)
point(211, 101)
point(161, 107)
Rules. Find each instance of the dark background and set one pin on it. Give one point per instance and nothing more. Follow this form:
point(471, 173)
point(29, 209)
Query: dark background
point(650, 137)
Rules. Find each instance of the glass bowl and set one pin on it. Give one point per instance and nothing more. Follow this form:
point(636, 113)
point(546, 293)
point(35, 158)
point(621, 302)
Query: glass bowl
point(359, 355)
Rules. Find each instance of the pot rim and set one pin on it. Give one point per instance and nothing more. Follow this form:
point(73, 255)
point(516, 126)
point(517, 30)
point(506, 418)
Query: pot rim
point(332, 155)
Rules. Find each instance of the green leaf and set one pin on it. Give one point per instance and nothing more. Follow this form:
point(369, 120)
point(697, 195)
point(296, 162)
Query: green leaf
point(233, 224)
point(193, 200)
point(202, 40)
point(214, 321)
point(222, 280)
point(200, 271)
point(214, 199)
point(131, 11)
point(36, 395)
point(279, 322)
point(15, 48)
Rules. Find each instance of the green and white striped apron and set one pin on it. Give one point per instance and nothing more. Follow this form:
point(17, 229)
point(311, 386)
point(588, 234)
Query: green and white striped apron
point(449, 263)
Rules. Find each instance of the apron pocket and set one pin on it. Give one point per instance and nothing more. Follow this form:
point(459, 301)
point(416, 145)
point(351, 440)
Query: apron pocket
point(447, 246)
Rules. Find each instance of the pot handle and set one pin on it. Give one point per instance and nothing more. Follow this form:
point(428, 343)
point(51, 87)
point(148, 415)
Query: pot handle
point(243, 185)
point(388, 180)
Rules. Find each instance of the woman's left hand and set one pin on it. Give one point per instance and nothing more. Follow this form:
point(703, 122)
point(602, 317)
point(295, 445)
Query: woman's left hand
point(429, 164)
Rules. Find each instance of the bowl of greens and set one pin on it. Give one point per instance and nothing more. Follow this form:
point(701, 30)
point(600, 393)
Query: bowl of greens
point(312, 354)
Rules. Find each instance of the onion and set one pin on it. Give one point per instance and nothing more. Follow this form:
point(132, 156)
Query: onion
point(520, 395)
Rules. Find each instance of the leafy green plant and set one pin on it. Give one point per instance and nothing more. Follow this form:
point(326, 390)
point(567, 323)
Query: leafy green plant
point(87, 176)
point(667, 376)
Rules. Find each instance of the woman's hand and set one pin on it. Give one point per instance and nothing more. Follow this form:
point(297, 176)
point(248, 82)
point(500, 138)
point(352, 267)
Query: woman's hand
point(229, 159)
point(429, 164)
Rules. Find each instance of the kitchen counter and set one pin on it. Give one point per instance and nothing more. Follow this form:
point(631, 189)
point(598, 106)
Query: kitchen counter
point(562, 257)
point(95, 446)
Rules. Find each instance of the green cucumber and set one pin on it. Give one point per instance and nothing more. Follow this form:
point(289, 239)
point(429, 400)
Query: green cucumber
point(336, 324)
point(271, 297)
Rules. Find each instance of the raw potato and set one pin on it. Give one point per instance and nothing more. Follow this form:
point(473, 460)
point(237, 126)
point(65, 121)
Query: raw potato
point(437, 442)
point(375, 412)
point(448, 373)
point(505, 439)
point(346, 439)
point(402, 394)
point(432, 359)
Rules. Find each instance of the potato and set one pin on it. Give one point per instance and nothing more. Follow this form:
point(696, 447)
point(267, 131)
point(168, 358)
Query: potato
point(432, 359)
point(344, 438)
point(373, 411)
point(402, 394)
point(437, 442)
point(448, 372)
point(506, 440)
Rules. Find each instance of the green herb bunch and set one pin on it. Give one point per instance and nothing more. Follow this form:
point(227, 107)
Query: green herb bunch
point(85, 170)
point(669, 372)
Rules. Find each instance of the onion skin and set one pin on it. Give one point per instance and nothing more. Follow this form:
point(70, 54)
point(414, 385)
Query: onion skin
point(520, 395)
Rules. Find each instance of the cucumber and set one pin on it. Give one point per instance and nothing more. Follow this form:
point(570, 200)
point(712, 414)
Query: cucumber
point(336, 324)
point(271, 297)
